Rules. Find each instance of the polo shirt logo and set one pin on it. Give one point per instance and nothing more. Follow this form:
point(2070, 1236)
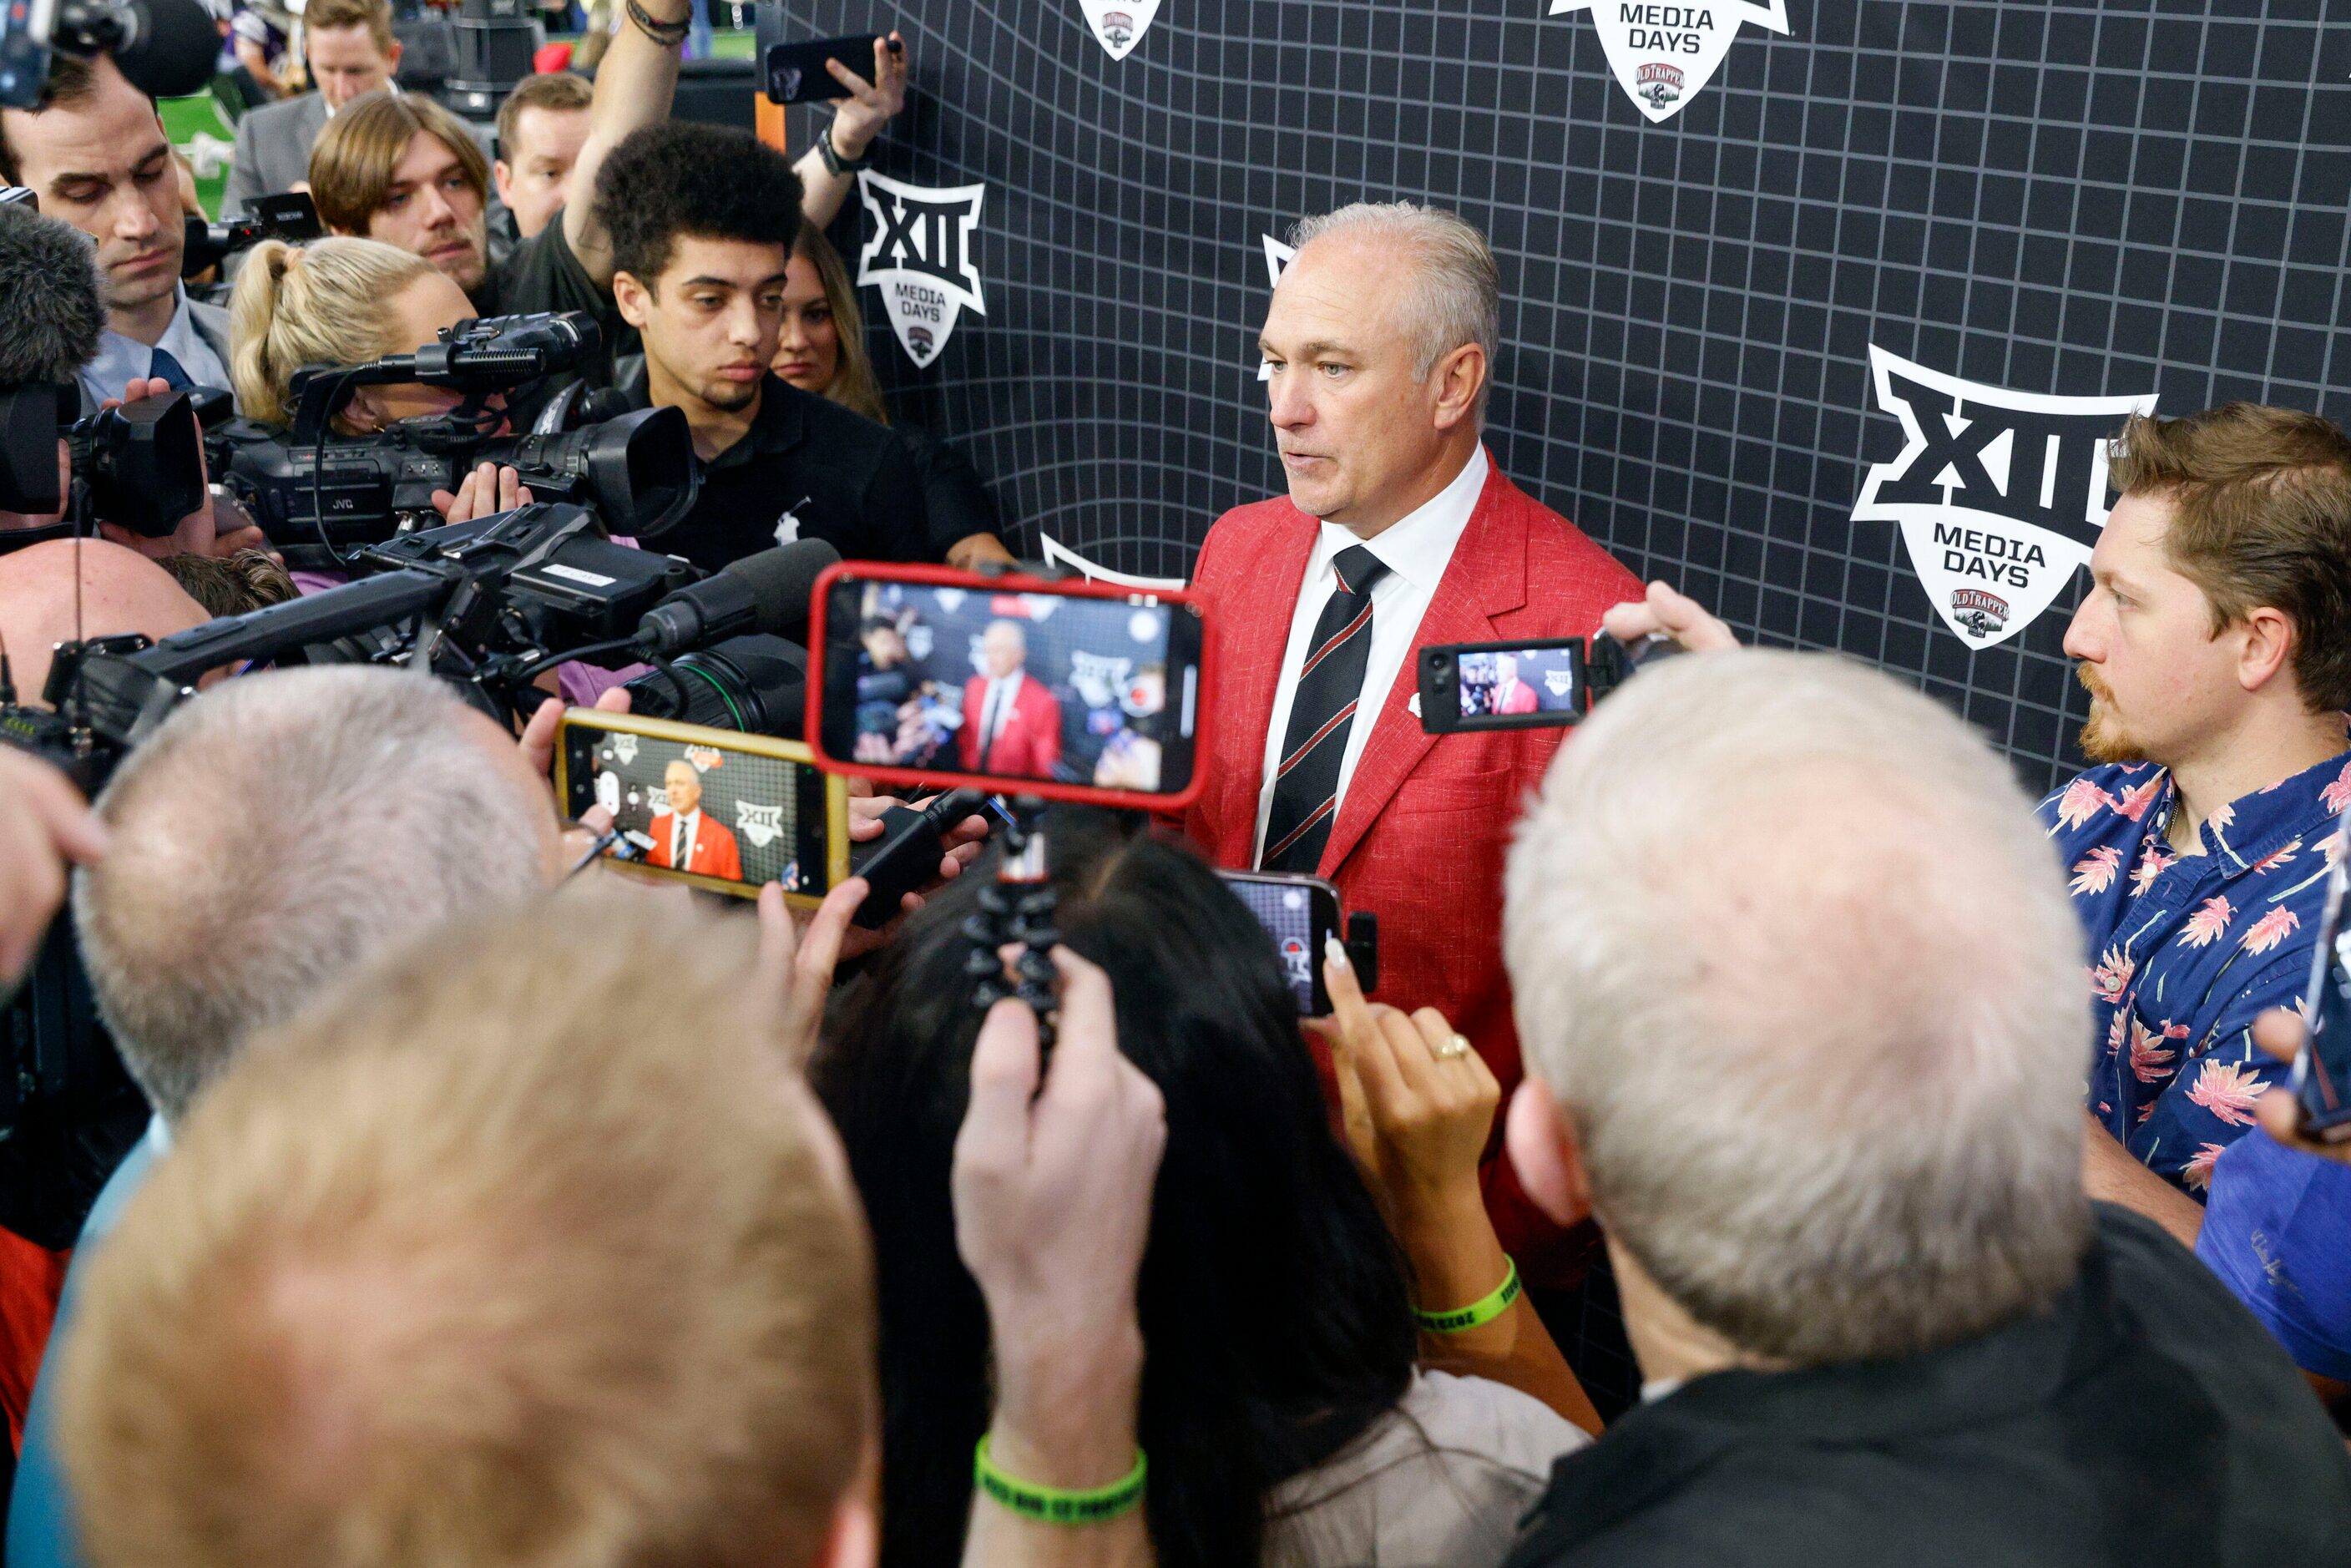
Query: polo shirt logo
point(919, 254)
point(1999, 495)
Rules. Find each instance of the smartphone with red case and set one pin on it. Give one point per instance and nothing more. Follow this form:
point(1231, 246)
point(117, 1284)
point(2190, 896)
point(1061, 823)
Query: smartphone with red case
point(927, 677)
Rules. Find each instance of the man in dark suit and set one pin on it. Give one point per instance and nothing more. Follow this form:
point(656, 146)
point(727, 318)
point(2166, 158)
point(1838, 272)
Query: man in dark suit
point(1010, 722)
point(1398, 532)
point(351, 51)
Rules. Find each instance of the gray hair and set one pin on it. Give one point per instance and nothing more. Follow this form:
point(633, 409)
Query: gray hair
point(274, 832)
point(1457, 289)
point(56, 311)
point(1789, 948)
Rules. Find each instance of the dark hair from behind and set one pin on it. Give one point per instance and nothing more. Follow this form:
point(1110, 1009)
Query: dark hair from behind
point(681, 177)
point(48, 276)
point(1275, 1303)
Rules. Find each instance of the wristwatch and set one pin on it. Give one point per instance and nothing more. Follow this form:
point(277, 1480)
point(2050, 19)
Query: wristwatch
point(833, 162)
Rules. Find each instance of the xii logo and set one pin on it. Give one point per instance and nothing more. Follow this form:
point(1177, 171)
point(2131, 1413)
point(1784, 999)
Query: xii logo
point(920, 258)
point(1999, 495)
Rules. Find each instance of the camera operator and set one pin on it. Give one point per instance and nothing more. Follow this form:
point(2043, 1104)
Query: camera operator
point(338, 302)
point(1817, 1085)
point(96, 152)
point(50, 331)
point(702, 221)
point(405, 170)
point(350, 50)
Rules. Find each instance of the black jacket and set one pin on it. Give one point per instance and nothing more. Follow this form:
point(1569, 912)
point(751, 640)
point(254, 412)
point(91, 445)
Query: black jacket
point(838, 475)
point(2144, 1420)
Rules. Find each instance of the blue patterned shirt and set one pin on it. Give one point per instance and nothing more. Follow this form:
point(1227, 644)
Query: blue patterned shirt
point(2185, 951)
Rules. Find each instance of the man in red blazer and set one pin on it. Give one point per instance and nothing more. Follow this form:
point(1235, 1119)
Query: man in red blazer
point(1397, 533)
point(1511, 694)
point(1010, 722)
point(685, 839)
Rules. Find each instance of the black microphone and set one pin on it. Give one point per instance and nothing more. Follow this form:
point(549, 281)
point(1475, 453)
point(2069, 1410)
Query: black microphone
point(768, 592)
point(165, 49)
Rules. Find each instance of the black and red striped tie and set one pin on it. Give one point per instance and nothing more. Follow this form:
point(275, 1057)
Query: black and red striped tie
point(1321, 712)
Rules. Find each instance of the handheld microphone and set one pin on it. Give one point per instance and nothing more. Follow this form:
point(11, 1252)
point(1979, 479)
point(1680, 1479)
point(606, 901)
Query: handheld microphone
point(764, 592)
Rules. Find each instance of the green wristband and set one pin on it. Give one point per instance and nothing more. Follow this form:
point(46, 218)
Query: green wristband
point(1476, 1314)
point(1056, 1505)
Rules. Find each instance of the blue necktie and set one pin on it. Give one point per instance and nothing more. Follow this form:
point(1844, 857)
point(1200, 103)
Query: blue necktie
point(171, 370)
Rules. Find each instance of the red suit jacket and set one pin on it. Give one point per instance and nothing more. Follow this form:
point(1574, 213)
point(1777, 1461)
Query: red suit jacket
point(1031, 741)
point(712, 854)
point(1425, 825)
point(1520, 698)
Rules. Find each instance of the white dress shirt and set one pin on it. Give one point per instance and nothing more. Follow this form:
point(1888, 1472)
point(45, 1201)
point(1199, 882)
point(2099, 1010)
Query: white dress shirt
point(1415, 550)
point(995, 709)
point(121, 359)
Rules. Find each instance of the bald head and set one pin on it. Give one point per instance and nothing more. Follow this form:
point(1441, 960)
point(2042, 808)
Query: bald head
point(121, 591)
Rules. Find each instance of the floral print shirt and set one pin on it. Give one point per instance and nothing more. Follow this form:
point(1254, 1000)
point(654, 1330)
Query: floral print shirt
point(2185, 951)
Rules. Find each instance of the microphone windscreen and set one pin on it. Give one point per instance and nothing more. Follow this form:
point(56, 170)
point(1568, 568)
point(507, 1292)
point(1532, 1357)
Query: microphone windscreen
point(174, 52)
point(781, 581)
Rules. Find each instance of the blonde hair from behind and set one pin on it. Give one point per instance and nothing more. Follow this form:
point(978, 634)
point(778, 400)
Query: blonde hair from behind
point(527, 1246)
point(855, 386)
point(328, 302)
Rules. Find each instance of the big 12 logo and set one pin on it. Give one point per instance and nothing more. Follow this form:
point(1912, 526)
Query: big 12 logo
point(1999, 495)
point(920, 256)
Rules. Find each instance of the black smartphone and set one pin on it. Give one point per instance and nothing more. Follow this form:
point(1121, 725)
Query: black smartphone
point(711, 808)
point(928, 677)
point(1503, 686)
point(1301, 914)
point(2321, 1079)
point(796, 73)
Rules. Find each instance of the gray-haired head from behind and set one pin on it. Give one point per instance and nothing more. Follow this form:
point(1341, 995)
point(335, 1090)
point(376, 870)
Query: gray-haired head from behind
point(277, 831)
point(1457, 289)
point(51, 309)
point(1791, 953)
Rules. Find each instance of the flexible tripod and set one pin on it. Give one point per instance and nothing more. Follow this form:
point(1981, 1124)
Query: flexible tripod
point(1017, 906)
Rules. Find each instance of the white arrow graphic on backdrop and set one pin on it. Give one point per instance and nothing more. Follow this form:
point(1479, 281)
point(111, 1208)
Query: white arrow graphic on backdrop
point(1277, 257)
point(1663, 53)
point(1120, 24)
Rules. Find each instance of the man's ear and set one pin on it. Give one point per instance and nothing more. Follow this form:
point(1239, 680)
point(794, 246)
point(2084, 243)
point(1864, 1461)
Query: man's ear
point(1459, 376)
point(391, 54)
point(633, 297)
point(2268, 649)
point(1542, 1151)
point(501, 177)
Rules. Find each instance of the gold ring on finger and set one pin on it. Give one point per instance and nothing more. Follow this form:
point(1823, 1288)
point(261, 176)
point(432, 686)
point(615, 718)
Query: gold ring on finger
point(1458, 1046)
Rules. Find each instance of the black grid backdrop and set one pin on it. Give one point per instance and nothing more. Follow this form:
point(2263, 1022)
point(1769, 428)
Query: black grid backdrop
point(2073, 198)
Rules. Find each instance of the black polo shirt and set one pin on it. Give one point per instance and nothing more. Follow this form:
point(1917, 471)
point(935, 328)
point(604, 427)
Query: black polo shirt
point(543, 273)
point(837, 476)
point(2144, 1418)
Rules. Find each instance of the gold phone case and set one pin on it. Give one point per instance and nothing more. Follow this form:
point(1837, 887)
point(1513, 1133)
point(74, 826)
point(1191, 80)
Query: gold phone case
point(836, 793)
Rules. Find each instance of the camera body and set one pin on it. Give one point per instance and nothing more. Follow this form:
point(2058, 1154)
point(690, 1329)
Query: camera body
point(308, 487)
point(140, 465)
point(1545, 683)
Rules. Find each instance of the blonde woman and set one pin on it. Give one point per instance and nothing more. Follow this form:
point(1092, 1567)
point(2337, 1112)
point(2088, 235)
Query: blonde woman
point(822, 350)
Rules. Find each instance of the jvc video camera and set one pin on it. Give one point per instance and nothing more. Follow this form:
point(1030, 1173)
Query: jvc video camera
point(312, 489)
point(142, 466)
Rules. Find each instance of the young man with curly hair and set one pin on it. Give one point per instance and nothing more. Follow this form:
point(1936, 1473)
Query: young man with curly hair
point(702, 222)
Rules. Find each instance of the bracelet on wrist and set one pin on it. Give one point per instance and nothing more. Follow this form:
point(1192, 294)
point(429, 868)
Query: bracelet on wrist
point(668, 35)
point(1477, 1313)
point(1058, 1505)
point(833, 160)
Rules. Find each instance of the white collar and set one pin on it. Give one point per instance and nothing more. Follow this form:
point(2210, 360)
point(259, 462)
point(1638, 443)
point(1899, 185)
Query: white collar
point(1418, 546)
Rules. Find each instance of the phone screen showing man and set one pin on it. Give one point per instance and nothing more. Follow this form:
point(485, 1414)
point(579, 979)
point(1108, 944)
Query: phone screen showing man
point(1503, 682)
point(1009, 685)
point(735, 817)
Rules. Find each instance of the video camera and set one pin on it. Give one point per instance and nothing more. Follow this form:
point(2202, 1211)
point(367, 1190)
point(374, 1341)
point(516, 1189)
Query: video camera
point(142, 466)
point(313, 490)
point(290, 216)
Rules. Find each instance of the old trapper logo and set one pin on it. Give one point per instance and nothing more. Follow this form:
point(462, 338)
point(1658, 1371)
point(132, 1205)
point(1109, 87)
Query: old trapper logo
point(920, 256)
point(1999, 495)
point(1663, 53)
